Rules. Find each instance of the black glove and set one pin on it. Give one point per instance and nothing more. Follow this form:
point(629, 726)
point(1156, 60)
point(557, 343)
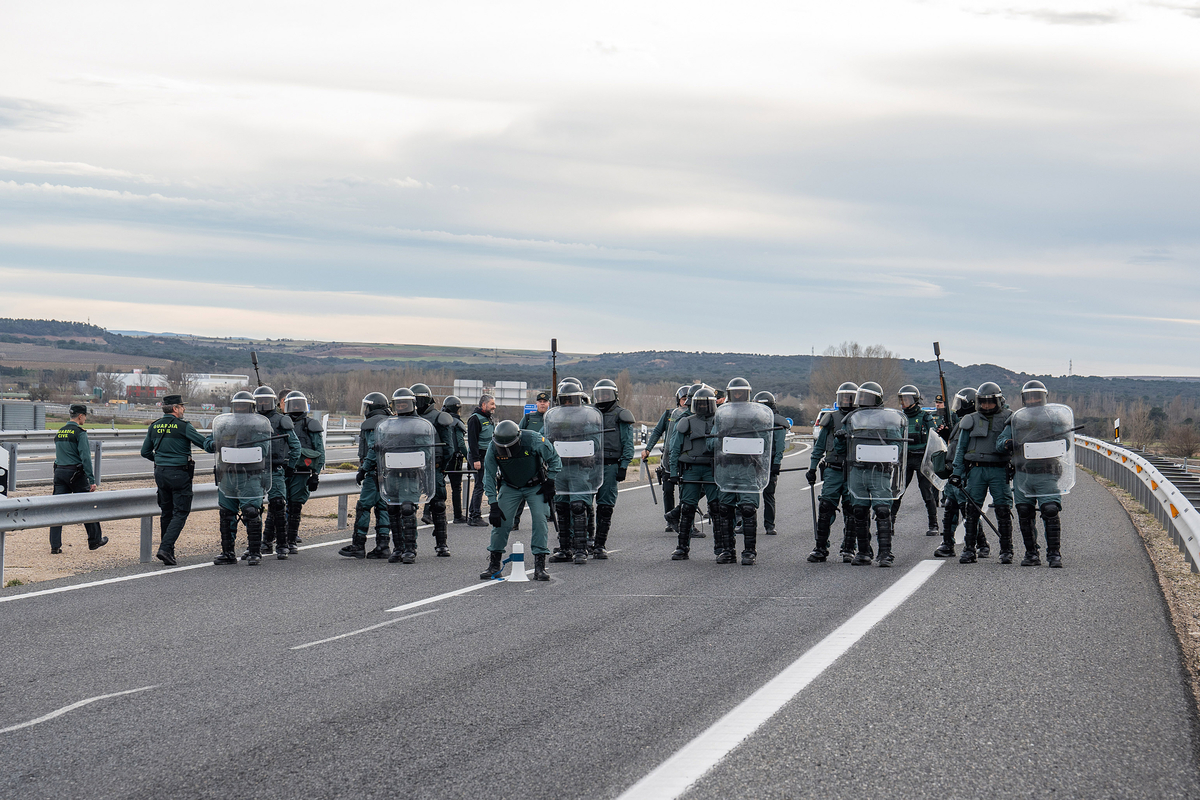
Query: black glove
point(288, 472)
point(1007, 447)
point(622, 472)
point(547, 491)
point(495, 516)
point(313, 482)
point(362, 473)
point(811, 477)
point(956, 481)
point(775, 470)
point(839, 434)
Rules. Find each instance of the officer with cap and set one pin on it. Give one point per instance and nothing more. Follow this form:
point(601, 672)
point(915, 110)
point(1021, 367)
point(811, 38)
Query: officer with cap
point(168, 444)
point(443, 423)
point(73, 473)
point(452, 405)
point(307, 475)
point(285, 455)
point(690, 456)
point(778, 445)
point(954, 502)
point(829, 453)
point(525, 464)
point(980, 467)
point(374, 410)
point(920, 423)
point(533, 421)
point(618, 453)
point(662, 430)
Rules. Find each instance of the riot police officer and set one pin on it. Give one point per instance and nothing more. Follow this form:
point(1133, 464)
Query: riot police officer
point(778, 445)
point(73, 473)
point(920, 423)
point(283, 465)
point(168, 444)
point(306, 476)
point(954, 502)
point(403, 457)
point(525, 464)
point(374, 410)
point(443, 423)
point(662, 430)
point(876, 443)
point(243, 443)
point(980, 466)
point(576, 431)
point(829, 453)
point(742, 436)
point(618, 453)
point(690, 455)
point(533, 422)
point(452, 405)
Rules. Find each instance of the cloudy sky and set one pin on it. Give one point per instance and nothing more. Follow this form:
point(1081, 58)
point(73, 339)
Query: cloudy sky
point(1018, 181)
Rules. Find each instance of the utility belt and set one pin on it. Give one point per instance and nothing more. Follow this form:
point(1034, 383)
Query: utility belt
point(76, 469)
point(697, 461)
point(189, 468)
point(1041, 469)
point(986, 461)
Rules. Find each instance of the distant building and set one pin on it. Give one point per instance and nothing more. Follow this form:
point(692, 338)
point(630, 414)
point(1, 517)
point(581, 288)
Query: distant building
point(145, 387)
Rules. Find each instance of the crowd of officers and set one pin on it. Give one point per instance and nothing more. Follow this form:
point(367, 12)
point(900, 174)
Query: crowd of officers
point(549, 467)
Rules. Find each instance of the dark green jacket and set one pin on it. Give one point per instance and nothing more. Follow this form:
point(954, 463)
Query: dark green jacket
point(71, 449)
point(169, 441)
point(533, 421)
point(535, 451)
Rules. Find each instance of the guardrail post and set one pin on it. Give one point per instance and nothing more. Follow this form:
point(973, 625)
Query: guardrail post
point(342, 506)
point(12, 465)
point(97, 447)
point(147, 539)
point(2, 534)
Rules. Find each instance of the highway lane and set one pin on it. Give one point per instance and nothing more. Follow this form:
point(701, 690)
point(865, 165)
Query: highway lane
point(580, 687)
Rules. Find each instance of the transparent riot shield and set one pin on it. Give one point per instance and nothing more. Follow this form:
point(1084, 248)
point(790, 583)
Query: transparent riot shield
point(404, 459)
point(1043, 451)
point(934, 465)
point(577, 433)
point(742, 457)
point(878, 449)
point(242, 445)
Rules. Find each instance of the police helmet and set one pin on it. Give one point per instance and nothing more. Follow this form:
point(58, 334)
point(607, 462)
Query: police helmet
point(695, 387)
point(869, 395)
point(909, 396)
point(604, 392)
point(704, 402)
point(681, 394)
point(570, 394)
point(404, 402)
point(964, 402)
point(242, 403)
point(738, 391)
point(295, 403)
point(424, 396)
point(1034, 393)
point(989, 392)
point(452, 404)
point(375, 401)
point(265, 399)
point(507, 437)
point(766, 398)
point(575, 381)
point(846, 394)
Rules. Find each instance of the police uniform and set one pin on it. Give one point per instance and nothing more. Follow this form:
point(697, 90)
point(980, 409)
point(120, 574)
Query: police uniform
point(512, 474)
point(983, 467)
point(479, 438)
point(920, 423)
point(618, 453)
point(533, 421)
point(778, 445)
point(168, 444)
point(830, 447)
point(690, 457)
point(285, 455)
point(306, 475)
point(368, 497)
point(452, 405)
point(73, 474)
point(443, 423)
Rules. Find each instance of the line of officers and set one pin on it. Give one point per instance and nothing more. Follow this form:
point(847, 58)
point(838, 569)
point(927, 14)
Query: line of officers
point(867, 455)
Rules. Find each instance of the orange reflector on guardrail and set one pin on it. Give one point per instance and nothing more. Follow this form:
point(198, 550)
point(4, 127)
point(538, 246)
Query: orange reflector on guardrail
point(1153, 485)
point(1138, 467)
point(1124, 459)
point(1174, 511)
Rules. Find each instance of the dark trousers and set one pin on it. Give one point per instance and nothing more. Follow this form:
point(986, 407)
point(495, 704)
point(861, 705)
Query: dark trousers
point(174, 501)
point(473, 511)
point(769, 502)
point(71, 480)
point(456, 493)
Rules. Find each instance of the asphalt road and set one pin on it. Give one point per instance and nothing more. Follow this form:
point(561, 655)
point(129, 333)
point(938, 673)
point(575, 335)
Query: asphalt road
point(988, 680)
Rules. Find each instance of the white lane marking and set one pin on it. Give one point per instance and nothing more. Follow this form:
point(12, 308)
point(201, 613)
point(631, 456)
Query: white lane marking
point(72, 707)
point(473, 588)
point(673, 777)
point(363, 630)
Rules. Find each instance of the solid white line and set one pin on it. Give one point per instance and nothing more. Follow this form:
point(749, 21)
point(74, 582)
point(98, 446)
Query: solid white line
point(363, 630)
point(72, 707)
point(673, 777)
point(473, 588)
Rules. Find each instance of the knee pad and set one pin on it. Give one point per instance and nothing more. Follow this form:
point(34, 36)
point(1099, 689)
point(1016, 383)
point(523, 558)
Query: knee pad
point(408, 509)
point(1003, 512)
point(578, 507)
point(748, 510)
point(1025, 511)
point(862, 513)
point(437, 504)
point(971, 512)
point(250, 513)
point(294, 508)
point(826, 507)
point(276, 504)
point(1050, 510)
point(883, 513)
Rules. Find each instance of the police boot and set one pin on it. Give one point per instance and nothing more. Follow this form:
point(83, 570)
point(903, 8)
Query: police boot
point(862, 531)
point(539, 567)
point(227, 556)
point(1004, 523)
point(981, 543)
point(603, 523)
point(252, 517)
point(672, 518)
point(563, 553)
point(440, 547)
point(382, 548)
point(949, 525)
point(591, 525)
point(749, 535)
point(932, 530)
point(1053, 526)
point(494, 566)
point(293, 527)
point(1026, 522)
point(849, 532)
point(724, 543)
point(825, 512)
point(408, 535)
point(356, 549)
point(686, 516)
point(883, 530)
point(738, 522)
point(397, 534)
point(277, 527)
point(970, 527)
point(579, 536)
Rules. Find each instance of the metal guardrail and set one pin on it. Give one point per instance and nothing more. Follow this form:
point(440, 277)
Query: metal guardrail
point(75, 509)
point(1171, 505)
